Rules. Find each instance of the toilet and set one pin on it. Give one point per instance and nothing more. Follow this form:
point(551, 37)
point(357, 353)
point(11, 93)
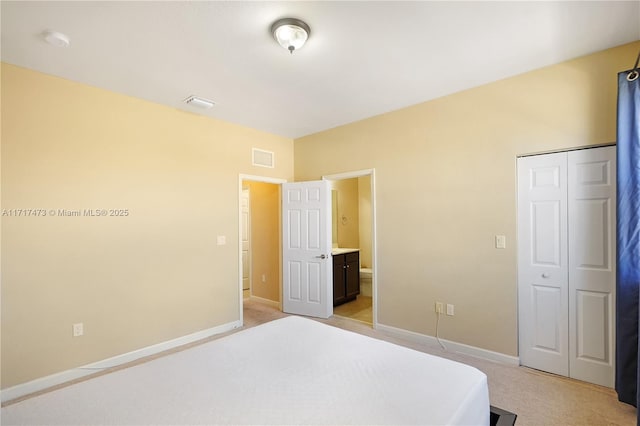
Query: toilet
point(366, 281)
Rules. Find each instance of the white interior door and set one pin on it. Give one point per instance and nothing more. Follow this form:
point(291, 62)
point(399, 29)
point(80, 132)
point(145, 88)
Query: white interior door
point(592, 257)
point(245, 239)
point(542, 262)
point(306, 249)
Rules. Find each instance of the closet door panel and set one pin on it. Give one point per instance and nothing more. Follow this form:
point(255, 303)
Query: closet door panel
point(542, 262)
point(592, 251)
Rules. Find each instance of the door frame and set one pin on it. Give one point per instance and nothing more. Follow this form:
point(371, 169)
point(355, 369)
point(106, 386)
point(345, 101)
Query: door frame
point(254, 178)
point(374, 250)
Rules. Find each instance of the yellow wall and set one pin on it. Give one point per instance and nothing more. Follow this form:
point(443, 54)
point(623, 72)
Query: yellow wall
point(348, 214)
point(265, 240)
point(445, 180)
point(133, 281)
point(446, 185)
point(364, 209)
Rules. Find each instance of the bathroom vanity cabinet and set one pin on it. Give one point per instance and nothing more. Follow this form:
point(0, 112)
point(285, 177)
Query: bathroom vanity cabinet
point(346, 276)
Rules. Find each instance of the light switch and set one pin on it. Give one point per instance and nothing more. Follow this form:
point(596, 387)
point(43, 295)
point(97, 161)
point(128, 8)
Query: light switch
point(222, 240)
point(78, 329)
point(501, 241)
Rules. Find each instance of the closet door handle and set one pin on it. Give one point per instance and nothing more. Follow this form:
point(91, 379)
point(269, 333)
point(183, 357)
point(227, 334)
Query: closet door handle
point(545, 275)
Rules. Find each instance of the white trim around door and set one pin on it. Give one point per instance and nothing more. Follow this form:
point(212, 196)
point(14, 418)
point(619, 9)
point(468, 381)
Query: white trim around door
point(244, 177)
point(374, 251)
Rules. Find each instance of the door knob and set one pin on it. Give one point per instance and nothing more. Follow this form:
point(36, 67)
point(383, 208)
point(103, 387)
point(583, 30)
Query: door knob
point(545, 275)
point(322, 256)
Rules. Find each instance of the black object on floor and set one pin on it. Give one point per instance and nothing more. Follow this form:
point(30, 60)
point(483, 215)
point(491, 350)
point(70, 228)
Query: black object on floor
point(500, 417)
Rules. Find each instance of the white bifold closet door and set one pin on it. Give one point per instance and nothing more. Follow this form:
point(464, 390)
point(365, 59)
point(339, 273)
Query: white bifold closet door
point(566, 263)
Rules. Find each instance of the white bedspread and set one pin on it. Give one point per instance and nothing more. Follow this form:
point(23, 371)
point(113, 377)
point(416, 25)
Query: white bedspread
point(290, 371)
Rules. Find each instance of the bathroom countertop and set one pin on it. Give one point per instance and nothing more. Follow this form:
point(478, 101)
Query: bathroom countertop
point(341, 250)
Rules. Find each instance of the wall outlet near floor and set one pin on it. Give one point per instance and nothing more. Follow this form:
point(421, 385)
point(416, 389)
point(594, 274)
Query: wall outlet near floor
point(439, 307)
point(449, 309)
point(264, 278)
point(78, 329)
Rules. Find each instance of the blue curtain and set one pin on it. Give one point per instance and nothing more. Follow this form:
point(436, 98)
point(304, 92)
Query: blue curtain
point(628, 228)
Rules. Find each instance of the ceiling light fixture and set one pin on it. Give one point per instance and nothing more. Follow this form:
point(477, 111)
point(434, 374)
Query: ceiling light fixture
point(55, 38)
point(290, 33)
point(199, 102)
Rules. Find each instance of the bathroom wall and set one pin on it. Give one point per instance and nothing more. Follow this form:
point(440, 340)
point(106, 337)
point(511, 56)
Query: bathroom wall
point(354, 216)
point(365, 221)
point(348, 215)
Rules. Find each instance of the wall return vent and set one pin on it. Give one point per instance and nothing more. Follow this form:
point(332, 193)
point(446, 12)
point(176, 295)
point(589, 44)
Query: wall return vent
point(262, 158)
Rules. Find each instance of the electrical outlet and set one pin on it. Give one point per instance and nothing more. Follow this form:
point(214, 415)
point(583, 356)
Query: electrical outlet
point(439, 307)
point(449, 309)
point(264, 278)
point(78, 329)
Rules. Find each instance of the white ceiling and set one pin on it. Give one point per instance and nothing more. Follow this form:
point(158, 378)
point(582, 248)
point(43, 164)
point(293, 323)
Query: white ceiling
point(363, 58)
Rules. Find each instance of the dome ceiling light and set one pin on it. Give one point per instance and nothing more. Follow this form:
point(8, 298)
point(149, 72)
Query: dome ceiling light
point(290, 33)
point(56, 38)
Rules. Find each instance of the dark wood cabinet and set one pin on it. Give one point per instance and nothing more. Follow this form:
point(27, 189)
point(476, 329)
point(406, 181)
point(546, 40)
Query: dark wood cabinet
point(346, 277)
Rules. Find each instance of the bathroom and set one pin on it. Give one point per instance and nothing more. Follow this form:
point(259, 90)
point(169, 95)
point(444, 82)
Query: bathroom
point(352, 231)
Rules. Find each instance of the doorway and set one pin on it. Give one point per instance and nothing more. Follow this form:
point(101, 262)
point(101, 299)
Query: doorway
point(256, 276)
point(353, 226)
point(245, 239)
point(259, 240)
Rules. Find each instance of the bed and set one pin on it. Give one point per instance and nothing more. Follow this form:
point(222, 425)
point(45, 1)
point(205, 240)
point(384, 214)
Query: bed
point(290, 371)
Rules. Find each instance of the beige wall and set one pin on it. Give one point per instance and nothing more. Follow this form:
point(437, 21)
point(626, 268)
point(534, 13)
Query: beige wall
point(446, 185)
point(265, 239)
point(364, 211)
point(348, 215)
point(445, 179)
point(133, 281)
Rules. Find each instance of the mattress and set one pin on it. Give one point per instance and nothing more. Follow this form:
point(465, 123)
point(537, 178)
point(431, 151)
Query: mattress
point(289, 371)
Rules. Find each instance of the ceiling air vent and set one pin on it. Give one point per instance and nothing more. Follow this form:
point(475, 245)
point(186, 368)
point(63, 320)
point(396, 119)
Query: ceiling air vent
point(262, 158)
point(199, 102)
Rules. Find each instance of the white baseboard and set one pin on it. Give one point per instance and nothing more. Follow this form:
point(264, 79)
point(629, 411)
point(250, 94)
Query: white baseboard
point(451, 346)
point(65, 376)
point(264, 301)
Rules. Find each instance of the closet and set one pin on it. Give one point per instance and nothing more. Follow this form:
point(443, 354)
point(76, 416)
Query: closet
point(566, 263)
